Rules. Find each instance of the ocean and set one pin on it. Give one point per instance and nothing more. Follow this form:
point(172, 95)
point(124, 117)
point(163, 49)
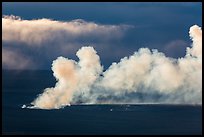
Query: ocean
point(22, 87)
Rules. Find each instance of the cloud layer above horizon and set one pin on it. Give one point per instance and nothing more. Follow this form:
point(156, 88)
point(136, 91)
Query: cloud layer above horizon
point(37, 33)
point(47, 34)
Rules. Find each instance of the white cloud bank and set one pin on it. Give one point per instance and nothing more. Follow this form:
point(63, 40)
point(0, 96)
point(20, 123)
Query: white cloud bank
point(146, 74)
point(54, 37)
point(38, 31)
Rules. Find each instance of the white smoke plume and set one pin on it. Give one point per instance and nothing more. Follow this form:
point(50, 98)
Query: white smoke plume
point(71, 76)
point(145, 77)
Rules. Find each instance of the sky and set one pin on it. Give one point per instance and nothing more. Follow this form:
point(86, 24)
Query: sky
point(35, 34)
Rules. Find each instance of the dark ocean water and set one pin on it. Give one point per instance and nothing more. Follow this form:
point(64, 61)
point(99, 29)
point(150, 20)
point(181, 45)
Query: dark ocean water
point(22, 87)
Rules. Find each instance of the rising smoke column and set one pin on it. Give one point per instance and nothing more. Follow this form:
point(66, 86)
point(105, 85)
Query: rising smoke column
point(146, 72)
point(71, 76)
point(151, 72)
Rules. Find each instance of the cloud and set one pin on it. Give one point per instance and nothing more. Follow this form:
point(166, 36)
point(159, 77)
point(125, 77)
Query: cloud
point(15, 60)
point(175, 48)
point(36, 32)
point(43, 40)
point(147, 76)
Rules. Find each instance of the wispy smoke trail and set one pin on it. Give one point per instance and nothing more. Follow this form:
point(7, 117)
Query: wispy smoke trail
point(145, 77)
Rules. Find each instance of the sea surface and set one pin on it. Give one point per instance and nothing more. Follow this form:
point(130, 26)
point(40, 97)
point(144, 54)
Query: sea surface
point(22, 87)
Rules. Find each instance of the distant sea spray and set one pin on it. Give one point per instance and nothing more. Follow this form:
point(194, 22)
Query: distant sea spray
point(147, 76)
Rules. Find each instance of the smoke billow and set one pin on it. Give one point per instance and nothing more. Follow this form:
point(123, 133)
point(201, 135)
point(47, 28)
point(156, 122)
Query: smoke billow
point(148, 76)
point(72, 76)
